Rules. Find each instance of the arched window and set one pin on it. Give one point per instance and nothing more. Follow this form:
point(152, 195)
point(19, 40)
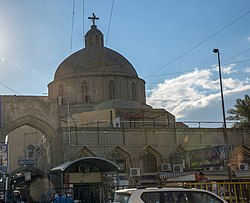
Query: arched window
point(90, 40)
point(30, 150)
point(84, 92)
point(84, 152)
point(119, 160)
point(97, 40)
point(60, 95)
point(111, 90)
point(149, 163)
point(133, 91)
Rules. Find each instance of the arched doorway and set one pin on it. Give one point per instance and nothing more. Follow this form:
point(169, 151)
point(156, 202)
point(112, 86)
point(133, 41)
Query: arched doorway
point(29, 141)
point(88, 179)
point(22, 180)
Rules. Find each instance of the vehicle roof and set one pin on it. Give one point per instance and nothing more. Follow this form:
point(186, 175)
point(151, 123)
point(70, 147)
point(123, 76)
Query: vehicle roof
point(130, 190)
point(171, 189)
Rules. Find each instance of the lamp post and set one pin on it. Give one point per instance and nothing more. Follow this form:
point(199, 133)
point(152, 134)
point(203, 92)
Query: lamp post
point(224, 119)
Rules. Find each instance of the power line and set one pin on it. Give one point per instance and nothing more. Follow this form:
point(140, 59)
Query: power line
point(200, 43)
point(237, 55)
point(72, 26)
point(83, 19)
point(242, 61)
point(234, 62)
point(190, 70)
point(10, 88)
point(200, 69)
point(173, 73)
point(111, 14)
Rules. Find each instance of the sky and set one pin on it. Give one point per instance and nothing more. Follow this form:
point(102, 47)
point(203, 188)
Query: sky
point(169, 42)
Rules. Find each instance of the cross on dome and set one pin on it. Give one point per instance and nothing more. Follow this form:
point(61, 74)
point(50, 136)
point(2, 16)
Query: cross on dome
point(93, 18)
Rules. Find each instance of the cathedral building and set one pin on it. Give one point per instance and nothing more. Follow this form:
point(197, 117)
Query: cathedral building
point(94, 131)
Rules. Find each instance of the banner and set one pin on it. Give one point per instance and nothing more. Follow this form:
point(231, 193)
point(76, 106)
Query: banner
point(3, 154)
point(3, 157)
point(207, 157)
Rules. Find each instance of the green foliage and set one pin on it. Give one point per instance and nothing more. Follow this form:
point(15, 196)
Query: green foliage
point(241, 112)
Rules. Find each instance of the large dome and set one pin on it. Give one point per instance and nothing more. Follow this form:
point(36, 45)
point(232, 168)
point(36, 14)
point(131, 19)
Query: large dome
point(95, 60)
point(96, 75)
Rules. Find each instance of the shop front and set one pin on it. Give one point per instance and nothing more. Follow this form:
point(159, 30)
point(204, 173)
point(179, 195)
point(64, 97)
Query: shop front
point(89, 179)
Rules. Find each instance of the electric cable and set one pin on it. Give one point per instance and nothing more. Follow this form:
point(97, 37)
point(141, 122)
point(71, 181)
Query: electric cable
point(200, 43)
point(223, 63)
point(242, 61)
point(72, 26)
point(10, 88)
point(236, 55)
point(190, 70)
point(200, 69)
point(111, 14)
point(83, 19)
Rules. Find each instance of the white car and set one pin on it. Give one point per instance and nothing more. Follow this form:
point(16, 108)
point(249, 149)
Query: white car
point(166, 195)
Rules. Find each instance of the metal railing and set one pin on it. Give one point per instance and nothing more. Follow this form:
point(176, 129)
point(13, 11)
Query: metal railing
point(237, 192)
point(146, 124)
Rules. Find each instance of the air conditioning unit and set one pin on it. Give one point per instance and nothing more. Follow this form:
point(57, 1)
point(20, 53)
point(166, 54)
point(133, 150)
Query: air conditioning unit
point(117, 122)
point(135, 172)
point(166, 167)
point(243, 166)
point(84, 168)
point(208, 169)
point(177, 168)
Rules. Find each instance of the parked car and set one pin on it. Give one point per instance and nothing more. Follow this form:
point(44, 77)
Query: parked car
point(166, 195)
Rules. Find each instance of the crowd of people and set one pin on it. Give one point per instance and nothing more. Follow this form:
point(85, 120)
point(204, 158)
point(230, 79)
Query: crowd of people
point(61, 198)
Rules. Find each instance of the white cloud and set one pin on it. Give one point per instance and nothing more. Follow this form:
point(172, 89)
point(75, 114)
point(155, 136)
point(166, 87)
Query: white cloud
point(229, 69)
point(225, 69)
point(196, 95)
point(247, 70)
point(248, 39)
point(231, 84)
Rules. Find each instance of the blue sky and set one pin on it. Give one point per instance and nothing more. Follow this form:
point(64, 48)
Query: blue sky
point(169, 43)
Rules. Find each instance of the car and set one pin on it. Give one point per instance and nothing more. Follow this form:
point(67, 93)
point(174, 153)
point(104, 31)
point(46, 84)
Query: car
point(166, 195)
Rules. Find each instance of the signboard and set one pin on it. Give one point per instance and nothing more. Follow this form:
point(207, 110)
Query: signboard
point(3, 154)
point(3, 157)
point(27, 176)
point(26, 161)
point(207, 157)
point(93, 177)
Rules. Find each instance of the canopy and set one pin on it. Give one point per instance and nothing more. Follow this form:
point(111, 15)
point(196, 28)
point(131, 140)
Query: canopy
point(103, 164)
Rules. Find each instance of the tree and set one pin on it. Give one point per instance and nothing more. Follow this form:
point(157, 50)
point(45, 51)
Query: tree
point(241, 112)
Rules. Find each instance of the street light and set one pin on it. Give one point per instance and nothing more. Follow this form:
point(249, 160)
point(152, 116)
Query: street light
point(224, 119)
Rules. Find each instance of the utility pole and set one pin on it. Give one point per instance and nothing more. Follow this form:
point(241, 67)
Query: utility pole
point(228, 164)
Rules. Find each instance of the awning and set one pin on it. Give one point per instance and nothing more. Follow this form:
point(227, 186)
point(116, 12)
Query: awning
point(32, 169)
point(103, 164)
point(168, 175)
point(216, 174)
point(21, 175)
point(242, 173)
